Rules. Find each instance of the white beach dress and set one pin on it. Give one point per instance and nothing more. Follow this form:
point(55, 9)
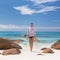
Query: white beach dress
point(31, 32)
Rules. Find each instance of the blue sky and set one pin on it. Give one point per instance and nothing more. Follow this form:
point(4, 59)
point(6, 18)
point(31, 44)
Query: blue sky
point(17, 14)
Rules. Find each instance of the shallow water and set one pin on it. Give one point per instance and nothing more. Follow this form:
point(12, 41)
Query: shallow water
point(42, 37)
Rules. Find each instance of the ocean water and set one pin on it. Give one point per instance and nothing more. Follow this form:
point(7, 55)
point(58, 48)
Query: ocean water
point(42, 37)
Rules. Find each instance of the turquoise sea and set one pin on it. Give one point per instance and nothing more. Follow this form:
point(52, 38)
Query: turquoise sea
point(43, 37)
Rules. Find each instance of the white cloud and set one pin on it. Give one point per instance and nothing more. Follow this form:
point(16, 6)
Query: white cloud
point(37, 2)
point(11, 27)
point(25, 10)
point(2, 26)
point(48, 28)
point(48, 8)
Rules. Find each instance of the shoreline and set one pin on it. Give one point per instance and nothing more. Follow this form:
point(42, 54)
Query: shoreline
point(36, 53)
point(27, 55)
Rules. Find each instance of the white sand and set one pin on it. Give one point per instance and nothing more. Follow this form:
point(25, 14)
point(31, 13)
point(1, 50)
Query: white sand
point(27, 55)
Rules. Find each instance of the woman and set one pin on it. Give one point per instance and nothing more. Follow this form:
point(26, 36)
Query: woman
point(31, 36)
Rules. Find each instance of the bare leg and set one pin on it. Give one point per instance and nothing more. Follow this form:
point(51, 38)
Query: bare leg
point(31, 43)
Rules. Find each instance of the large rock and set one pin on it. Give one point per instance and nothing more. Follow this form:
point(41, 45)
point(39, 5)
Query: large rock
point(47, 50)
point(7, 44)
point(14, 45)
point(56, 45)
point(17, 41)
point(12, 51)
point(43, 48)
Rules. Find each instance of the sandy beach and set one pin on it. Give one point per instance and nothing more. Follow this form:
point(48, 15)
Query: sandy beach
point(29, 29)
point(27, 55)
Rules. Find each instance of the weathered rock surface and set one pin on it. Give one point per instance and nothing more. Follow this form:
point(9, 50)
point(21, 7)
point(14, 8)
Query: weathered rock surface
point(12, 51)
point(56, 45)
point(43, 48)
point(17, 41)
point(14, 45)
point(47, 50)
point(7, 44)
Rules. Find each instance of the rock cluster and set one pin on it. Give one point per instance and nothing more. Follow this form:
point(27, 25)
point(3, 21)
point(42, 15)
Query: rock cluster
point(9, 47)
point(47, 50)
point(56, 45)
